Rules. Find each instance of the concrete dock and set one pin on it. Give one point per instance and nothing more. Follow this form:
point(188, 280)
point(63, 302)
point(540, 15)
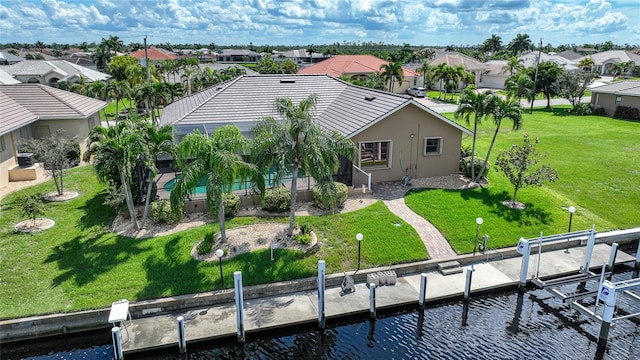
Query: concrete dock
point(262, 314)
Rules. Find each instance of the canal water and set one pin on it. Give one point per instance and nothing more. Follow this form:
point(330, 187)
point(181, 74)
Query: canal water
point(507, 325)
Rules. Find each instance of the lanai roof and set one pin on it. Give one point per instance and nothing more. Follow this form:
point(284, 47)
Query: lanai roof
point(246, 100)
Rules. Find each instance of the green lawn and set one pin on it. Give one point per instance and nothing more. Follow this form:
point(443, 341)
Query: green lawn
point(597, 159)
point(78, 264)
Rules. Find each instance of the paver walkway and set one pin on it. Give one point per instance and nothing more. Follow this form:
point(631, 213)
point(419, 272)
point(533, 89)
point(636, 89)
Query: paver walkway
point(392, 194)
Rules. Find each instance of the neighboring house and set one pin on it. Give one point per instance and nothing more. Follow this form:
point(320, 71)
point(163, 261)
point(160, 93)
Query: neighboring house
point(494, 75)
point(177, 76)
point(50, 72)
point(623, 93)
point(360, 66)
point(6, 79)
point(238, 55)
point(454, 59)
point(530, 59)
point(155, 54)
point(570, 55)
point(7, 58)
point(299, 56)
point(37, 111)
point(81, 58)
point(603, 61)
point(394, 134)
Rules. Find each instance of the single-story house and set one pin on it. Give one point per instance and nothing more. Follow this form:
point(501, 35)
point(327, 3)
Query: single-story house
point(454, 59)
point(360, 66)
point(37, 111)
point(530, 59)
point(238, 55)
point(298, 56)
point(155, 54)
point(6, 79)
point(603, 61)
point(50, 72)
point(623, 93)
point(7, 58)
point(394, 134)
point(494, 74)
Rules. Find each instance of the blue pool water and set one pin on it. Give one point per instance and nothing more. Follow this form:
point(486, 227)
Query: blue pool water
point(508, 325)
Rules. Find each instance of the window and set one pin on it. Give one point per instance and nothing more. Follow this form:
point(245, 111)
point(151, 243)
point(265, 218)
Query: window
point(432, 146)
point(618, 100)
point(375, 153)
point(2, 147)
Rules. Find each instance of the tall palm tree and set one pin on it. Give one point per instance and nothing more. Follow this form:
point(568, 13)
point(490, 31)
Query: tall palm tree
point(501, 109)
point(478, 105)
point(586, 64)
point(116, 148)
point(174, 90)
point(218, 158)
point(520, 44)
point(297, 143)
point(101, 57)
point(118, 90)
point(513, 66)
point(492, 44)
point(98, 90)
point(425, 70)
point(392, 71)
point(519, 86)
point(158, 141)
point(440, 74)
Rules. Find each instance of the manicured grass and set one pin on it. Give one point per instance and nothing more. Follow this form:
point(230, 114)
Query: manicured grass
point(597, 159)
point(78, 264)
point(445, 97)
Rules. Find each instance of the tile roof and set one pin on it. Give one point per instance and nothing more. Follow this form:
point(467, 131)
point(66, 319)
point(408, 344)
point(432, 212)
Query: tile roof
point(246, 100)
point(13, 115)
point(50, 103)
point(455, 59)
point(62, 67)
point(349, 64)
point(628, 87)
point(530, 59)
point(9, 57)
point(155, 54)
point(612, 56)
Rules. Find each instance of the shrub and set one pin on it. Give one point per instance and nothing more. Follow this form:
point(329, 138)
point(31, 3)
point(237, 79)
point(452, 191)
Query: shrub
point(465, 166)
point(327, 197)
point(598, 110)
point(627, 112)
point(231, 205)
point(465, 150)
point(206, 245)
point(305, 228)
point(582, 109)
point(161, 212)
point(303, 238)
point(277, 199)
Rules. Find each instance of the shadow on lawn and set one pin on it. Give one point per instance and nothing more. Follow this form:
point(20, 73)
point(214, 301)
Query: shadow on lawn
point(527, 217)
point(84, 259)
point(96, 214)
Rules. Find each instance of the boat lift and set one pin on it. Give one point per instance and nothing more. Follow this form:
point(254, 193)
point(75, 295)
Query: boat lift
point(525, 246)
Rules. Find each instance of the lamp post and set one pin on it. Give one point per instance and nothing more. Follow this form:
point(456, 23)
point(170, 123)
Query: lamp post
point(220, 254)
point(475, 243)
point(359, 238)
point(571, 211)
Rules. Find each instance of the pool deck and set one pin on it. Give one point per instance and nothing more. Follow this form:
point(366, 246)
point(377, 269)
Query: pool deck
point(262, 314)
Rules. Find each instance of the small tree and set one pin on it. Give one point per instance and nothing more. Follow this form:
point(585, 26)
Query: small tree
point(519, 165)
point(57, 153)
point(32, 206)
point(572, 86)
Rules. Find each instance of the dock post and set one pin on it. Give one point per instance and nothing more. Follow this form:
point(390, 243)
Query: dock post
point(117, 343)
point(638, 257)
point(237, 281)
point(372, 300)
point(467, 285)
point(589, 253)
point(423, 289)
point(523, 248)
point(612, 257)
point(608, 295)
point(182, 339)
point(321, 316)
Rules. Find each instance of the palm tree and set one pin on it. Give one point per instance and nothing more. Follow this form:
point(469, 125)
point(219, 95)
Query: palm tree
point(98, 90)
point(586, 64)
point(519, 44)
point(501, 109)
point(101, 57)
point(519, 86)
point(478, 104)
point(392, 71)
point(174, 90)
point(297, 143)
point(158, 141)
point(425, 70)
point(217, 158)
point(492, 44)
point(116, 148)
point(513, 66)
point(440, 74)
point(118, 90)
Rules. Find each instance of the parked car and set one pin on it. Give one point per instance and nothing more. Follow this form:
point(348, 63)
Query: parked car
point(417, 91)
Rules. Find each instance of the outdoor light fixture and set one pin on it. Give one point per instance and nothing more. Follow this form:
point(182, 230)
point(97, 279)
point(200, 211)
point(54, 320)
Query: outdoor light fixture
point(220, 254)
point(359, 238)
point(475, 243)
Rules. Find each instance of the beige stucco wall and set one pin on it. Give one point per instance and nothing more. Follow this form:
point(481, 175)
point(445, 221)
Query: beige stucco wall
point(608, 101)
point(8, 156)
point(398, 128)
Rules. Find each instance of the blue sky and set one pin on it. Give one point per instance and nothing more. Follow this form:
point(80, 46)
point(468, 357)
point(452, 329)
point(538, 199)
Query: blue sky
point(300, 22)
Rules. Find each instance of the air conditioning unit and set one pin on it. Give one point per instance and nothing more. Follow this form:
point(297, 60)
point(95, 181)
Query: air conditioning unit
point(26, 159)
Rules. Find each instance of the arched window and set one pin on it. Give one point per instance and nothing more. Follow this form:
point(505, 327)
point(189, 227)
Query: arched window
point(53, 82)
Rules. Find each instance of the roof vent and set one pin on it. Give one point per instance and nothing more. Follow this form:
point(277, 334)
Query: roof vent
point(369, 98)
point(287, 81)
